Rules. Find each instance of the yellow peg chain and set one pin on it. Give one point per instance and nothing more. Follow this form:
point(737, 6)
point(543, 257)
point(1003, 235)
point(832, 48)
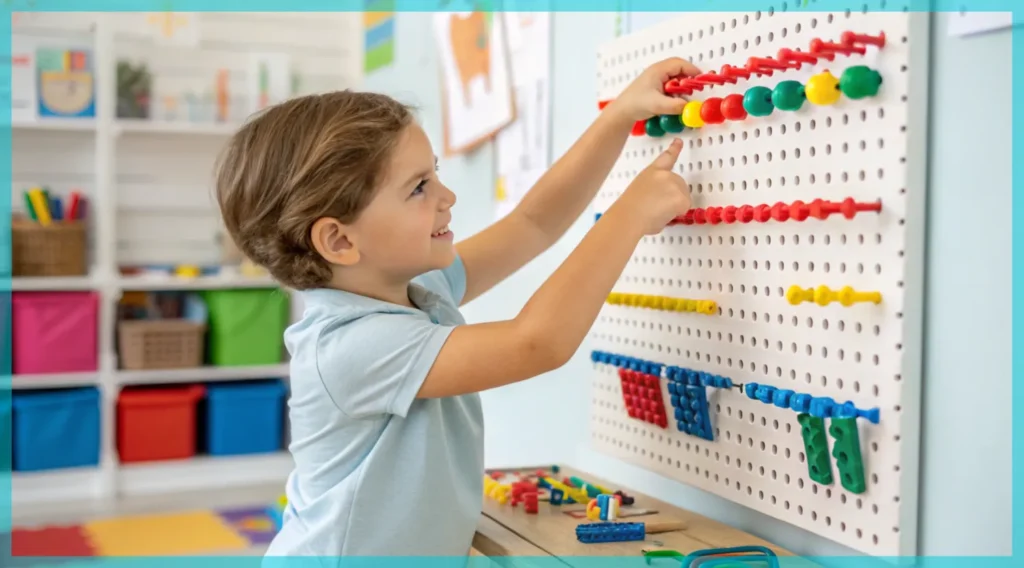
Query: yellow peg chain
point(823, 296)
point(708, 307)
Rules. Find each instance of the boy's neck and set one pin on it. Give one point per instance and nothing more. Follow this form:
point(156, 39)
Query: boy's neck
point(374, 286)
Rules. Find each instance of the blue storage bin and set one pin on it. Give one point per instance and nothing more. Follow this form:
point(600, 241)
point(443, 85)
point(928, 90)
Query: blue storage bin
point(5, 434)
point(56, 429)
point(244, 418)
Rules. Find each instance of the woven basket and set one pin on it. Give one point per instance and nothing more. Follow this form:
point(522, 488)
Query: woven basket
point(55, 250)
point(160, 344)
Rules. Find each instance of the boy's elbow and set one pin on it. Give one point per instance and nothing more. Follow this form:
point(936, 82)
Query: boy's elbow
point(543, 347)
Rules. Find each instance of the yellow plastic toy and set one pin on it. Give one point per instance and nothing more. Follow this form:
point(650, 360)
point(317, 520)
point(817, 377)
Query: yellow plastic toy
point(708, 307)
point(691, 115)
point(822, 89)
point(823, 296)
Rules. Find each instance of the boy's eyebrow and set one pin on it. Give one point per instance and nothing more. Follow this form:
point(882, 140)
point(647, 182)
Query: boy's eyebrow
point(419, 174)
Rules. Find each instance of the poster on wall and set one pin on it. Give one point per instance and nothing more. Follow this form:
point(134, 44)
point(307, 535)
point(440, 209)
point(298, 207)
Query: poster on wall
point(179, 29)
point(476, 82)
point(269, 80)
point(523, 148)
point(378, 34)
point(22, 95)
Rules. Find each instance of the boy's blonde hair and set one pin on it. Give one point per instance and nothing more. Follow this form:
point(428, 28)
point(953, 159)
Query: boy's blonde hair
point(310, 157)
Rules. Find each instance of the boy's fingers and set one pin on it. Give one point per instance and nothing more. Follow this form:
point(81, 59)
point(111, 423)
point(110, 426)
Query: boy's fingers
point(668, 158)
point(674, 67)
point(671, 105)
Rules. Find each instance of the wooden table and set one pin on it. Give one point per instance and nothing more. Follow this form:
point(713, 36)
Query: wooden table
point(506, 531)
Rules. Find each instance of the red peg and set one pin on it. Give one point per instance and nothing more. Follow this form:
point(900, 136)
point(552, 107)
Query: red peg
point(780, 211)
point(762, 213)
point(735, 72)
point(822, 209)
point(786, 54)
point(798, 211)
point(686, 219)
point(602, 104)
point(711, 111)
point(714, 215)
point(850, 38)
point(698, 217)
point(672, 87)
point(732, 107)
point(849, 207)
point(769, 63)
point(818, 46)
point(730, 214)
point(639, 128)
point(692, 84)
point(714, 78)
point(745, 214)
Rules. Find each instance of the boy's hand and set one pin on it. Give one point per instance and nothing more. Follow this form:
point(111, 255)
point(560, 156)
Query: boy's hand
point(645, 96)
point(657, 195)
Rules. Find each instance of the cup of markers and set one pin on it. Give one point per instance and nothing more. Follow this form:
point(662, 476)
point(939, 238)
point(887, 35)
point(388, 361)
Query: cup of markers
point(49, 239)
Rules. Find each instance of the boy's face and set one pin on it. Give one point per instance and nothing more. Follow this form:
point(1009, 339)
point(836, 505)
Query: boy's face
point(404, 230)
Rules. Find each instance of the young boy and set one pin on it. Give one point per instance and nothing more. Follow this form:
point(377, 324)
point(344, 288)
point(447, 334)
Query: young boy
point(337, 196)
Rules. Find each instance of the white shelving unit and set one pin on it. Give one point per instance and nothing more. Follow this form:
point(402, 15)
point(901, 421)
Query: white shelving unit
point(149, 191)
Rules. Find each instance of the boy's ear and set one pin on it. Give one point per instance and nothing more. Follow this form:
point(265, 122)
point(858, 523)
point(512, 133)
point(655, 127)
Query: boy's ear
point(331, 239)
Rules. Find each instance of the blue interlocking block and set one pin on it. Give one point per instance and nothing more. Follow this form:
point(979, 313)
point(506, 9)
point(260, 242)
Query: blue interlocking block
point(691, 406)
point(591, 533)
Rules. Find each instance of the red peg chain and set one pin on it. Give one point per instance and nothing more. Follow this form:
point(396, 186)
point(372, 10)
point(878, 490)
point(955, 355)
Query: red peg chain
point(796, 211)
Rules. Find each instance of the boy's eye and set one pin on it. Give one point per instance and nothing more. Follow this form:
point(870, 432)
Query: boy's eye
point(420, 188)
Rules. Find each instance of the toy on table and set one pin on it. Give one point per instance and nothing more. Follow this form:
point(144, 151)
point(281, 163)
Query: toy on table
point(592, 533)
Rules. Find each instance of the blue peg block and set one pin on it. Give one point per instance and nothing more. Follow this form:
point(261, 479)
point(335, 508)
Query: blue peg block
point(556, 497)
point(591, 533)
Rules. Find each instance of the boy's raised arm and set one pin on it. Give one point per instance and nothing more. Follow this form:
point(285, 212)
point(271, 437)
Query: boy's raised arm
point(563, 193)
point(553, 324)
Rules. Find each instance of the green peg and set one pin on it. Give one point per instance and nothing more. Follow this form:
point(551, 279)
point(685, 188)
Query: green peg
point(788, 95)
point(758, 101)
point(671, 123)
point(860, 81)
point(653, 127)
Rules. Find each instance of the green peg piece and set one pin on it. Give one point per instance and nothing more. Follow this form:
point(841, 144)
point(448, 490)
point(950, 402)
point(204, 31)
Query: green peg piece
point(788, 95)
point(671, 123)
point(846, 450)
point(860, 81)
point(758, 101)
point(653, 127)
point(816, 448)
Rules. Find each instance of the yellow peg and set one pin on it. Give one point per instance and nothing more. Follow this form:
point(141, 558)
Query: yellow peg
point(669, 304)
point(708, 307)
point(691, 115)
point(822, 89)
point(691, 305)
point(848, 297)
point(614, 298)
point(824, 296)
point(797, 295)
point(650, 301)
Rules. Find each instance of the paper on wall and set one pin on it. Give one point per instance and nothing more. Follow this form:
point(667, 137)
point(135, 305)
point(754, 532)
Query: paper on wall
point(523, 148)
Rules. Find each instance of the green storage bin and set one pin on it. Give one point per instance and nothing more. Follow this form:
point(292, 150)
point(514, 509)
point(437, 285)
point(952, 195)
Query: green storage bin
point(246, 326)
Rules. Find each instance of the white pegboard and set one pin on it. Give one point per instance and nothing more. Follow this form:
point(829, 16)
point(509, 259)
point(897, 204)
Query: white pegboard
point(870, 149)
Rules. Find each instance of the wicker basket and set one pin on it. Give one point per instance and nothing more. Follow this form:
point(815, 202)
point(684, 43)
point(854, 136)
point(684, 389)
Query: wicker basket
point(58, 249)
point(160, 344)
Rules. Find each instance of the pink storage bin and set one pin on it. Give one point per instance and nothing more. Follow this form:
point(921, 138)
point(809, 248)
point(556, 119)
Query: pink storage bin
point(54, 332)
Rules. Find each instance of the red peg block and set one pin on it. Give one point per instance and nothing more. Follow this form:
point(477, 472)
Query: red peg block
point(711, 111)
point(673, 87)
point(850, 38)
point(729, 215)
point(780, 212)
point(713, 215)
point(819, 46)
point(745, 214)
point(602, 104)
point(530, 503)
point(648, 405)
point(762, 213)
point(639, 128)
point(693, 84)
point(791, 55)
point(798, 211)
point(732, 107)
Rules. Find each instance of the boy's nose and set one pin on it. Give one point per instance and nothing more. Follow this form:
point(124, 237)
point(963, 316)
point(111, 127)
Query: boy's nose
point(448, 198)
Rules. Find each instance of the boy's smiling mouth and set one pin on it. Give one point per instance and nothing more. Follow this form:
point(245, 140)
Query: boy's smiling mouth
point(442, 233)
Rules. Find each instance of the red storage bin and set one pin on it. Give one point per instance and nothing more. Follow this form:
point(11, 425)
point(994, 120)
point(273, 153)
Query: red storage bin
point(157, 423)
point(54, 332)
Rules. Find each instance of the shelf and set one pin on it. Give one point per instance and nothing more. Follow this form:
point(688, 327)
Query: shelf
point(56, 124)
point(204, 472)
point(54, 380)
point(201, 374)
point(59, 485)
point(53, 283)
point(142, 126)
point(141, 283)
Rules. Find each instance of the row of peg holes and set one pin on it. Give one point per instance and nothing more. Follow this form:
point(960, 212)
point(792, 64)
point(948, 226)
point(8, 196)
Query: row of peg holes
point(755, 265)
point(770, 37)
point(755, 240)
point(809, 351)
point(708, 286)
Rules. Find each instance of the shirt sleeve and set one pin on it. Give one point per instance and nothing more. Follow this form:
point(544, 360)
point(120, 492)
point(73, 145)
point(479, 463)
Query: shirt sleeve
point(376, 364)
point(455, 276)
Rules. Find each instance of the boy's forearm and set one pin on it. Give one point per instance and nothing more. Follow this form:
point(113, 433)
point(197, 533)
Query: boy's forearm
point(564, 192)
point(562, 311)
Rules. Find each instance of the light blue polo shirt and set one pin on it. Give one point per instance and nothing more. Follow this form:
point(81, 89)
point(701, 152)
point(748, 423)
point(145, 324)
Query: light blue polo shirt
point(377, 471)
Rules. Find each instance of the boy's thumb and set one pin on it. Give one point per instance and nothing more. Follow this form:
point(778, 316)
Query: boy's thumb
point(668, 158)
